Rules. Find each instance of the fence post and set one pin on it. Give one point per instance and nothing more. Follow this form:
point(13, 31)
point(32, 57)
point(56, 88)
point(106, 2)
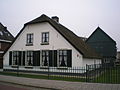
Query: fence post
point(18, 70)
point(86, 73)
point(48, 72)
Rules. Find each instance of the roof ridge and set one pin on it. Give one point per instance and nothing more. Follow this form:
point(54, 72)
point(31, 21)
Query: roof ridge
point(5, 34)
point(71, 37)
point(99, 28)
point(106, 34)
point(38, 19)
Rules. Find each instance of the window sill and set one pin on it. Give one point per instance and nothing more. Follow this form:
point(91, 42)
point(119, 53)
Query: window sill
point(45, 43)
point(44, 67)
point(29, 44)
point(14, 66)
point(29, 67)
point(63, 68)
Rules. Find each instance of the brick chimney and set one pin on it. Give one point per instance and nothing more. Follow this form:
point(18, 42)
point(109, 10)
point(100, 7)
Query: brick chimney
point(55, 18)
point(5, 28)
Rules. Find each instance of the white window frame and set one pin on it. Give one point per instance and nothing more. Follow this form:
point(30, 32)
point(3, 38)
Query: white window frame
point(58, 57)
point(42, 62)
point(26, 58)
point(43, 41)
point(29, 37)
point(13, 64)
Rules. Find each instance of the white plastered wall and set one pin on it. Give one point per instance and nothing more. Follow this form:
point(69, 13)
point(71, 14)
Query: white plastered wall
point(56, 42)
point(91, 61)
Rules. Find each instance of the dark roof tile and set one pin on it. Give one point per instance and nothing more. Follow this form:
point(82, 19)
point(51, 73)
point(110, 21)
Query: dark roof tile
point(5, 34)
point(98, 29)
point(73, 39)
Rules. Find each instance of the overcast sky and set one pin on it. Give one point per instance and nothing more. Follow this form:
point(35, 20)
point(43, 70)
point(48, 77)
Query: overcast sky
point(80, 16)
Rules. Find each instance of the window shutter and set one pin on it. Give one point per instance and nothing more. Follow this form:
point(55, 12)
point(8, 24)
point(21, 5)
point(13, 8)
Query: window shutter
point(50, 58)
point(69, 58)
point(10, 58)
point(23, 58)
point(19, 58)
point(36, 58)
point(55, 58)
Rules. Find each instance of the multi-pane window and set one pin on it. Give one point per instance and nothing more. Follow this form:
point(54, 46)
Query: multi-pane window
point(30, 39)
point(52, 58)
point(63, 58)
point(45, 58)
point(45, 37)
point(29, 58)
point(15, 58)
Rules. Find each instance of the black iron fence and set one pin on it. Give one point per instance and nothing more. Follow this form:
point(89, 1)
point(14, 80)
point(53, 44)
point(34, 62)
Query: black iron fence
point(71, 74)
point(96, 73)
point(103, 73)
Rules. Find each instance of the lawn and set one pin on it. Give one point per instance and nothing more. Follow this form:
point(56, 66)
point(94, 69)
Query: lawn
point(50, 77)
point(110, 75)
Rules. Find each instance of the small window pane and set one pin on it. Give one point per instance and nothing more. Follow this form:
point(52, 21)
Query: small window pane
point(45, 58)
point(46, 34)
point(63, 58)
point(60, 52)
point(15, 57)
point(65, 52)
point(29, 38)
point(45, 37)
point(29, 61)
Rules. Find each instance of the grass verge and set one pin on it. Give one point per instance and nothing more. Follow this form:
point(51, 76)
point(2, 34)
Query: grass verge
point(50, 77)
point(111, 75)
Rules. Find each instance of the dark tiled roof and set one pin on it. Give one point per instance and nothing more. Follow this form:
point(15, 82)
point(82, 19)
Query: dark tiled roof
point(69, 36)
point(83, 38)
point(5, 35)
point(73, 39)
point(97, 30)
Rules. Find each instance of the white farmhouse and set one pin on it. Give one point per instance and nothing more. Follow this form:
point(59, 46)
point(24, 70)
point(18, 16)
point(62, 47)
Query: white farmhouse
point(44, 42)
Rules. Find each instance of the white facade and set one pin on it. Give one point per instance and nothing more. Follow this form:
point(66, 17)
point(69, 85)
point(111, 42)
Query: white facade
point(56, 42)
point(91, 61)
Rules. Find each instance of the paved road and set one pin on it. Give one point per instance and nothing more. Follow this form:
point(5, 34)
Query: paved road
point(10, 86)
point(54, 84)
point(5, 86)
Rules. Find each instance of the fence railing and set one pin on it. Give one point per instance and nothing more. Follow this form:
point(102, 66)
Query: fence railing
point(103, 73)
point(98, 73)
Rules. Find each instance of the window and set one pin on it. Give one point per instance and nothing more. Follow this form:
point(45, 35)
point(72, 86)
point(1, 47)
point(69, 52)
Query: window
point(45, 38)
point(29, 39)
point(45, 58)
point(15, 58)
point(63, 58)
point(1, 33)
point(29, 58)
